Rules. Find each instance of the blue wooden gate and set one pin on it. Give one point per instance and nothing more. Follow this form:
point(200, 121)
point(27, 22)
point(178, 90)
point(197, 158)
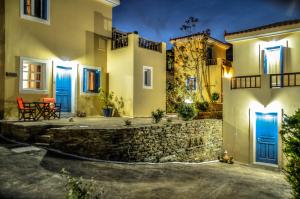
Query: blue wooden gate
point(64, 88)
point(267, 138)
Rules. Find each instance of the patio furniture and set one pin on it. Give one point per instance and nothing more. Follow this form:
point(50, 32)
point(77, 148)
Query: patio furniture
point(41, 110)
point(53, 109)
point(26, 110)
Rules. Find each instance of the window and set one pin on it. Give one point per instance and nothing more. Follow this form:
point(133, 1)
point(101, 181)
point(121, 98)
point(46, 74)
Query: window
point(33, 75)
point(273, 60)
point(191, 84)
point(147, 77)
point(91, 80)
point(36, 10)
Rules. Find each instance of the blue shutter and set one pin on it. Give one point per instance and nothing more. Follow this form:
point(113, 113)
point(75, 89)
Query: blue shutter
point(25, 7)
point(97, 79)
point(195, 83)
point(45, 9)
point(84, 84)
point(265, 62)
point(187, 84)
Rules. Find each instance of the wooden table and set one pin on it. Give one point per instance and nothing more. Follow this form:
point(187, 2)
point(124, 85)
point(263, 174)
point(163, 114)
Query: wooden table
point(41, 110)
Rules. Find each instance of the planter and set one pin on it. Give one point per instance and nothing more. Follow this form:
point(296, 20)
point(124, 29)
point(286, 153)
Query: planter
point(107, 112)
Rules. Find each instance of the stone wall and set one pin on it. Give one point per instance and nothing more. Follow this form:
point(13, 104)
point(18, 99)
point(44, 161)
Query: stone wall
point(194, 141)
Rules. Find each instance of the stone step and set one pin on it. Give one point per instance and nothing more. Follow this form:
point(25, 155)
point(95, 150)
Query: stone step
point(42, 144)
point(44, 139)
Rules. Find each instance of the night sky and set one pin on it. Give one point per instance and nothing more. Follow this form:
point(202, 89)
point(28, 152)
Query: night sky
point(160, 20)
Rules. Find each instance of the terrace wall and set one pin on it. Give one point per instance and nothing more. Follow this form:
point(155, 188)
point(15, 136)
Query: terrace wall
point(194, 141)
point(2, 56)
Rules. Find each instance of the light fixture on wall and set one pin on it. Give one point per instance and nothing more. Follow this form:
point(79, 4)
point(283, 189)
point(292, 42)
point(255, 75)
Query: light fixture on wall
point(228, 72)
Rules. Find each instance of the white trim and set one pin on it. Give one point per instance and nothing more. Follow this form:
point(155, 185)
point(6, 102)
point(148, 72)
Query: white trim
point(74, 67)
point(45, 76)
point(253, 115)
point(81, 67)
point(271, 34)
point(113, 3)
point(151, 69)
point(35, 19)
point(266, 164)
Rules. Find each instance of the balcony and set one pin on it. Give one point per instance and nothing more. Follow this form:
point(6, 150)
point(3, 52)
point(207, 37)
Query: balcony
point(119, 39)
point(284, 80)
point(275, 81)
point(243, 82)
point(150, 45)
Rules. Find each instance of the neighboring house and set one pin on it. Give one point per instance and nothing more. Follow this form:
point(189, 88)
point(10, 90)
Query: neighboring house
point(217, 60)
point(60, 49)
point(266, 66)
point(136, 68)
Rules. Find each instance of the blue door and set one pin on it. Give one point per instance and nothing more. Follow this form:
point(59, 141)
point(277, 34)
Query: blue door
point(63, 88)
point(266, 138)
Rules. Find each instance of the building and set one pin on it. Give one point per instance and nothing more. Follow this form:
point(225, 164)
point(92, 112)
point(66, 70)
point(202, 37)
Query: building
point(217, 62)
point(137, 73)
point(60, 49)
point(264, 87)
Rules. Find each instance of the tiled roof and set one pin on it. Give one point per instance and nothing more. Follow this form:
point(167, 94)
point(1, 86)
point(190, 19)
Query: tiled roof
point(273, 25)
point(199, 34)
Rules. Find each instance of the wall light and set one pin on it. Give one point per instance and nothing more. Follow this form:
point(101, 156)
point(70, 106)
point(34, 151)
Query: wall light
point(228, 72)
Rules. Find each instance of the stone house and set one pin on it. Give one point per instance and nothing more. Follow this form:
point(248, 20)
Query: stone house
point(265, 86)
point(63, 49)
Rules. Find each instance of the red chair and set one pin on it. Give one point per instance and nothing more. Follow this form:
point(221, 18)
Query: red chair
point(26, 110)
point(52, 108)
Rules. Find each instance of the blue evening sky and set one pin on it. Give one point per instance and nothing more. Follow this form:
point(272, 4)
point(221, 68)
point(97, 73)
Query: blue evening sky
point(160, 20)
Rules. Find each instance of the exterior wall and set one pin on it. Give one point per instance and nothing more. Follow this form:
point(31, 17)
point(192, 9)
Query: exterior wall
point(240, 105)
point(2, 56)
point(148, 100)
point(120, 69)
point(72, 36)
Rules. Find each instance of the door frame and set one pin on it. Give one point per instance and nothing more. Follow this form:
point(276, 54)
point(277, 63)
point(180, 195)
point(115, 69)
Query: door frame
point(74, 75)
point(279, 146)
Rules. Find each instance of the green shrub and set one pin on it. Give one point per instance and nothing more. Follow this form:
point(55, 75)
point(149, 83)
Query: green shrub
point(157, 115)
point(186, 111)
point(290, 134)
point(202, 106)
point(215, 97)
point(77, 189)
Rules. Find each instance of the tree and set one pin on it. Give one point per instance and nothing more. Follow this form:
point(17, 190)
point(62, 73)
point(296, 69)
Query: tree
point(191, 56)
point(290, 134)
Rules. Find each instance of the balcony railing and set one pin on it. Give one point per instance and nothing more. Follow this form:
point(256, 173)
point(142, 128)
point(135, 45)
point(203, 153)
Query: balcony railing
point(242, 82)
point(119, 39)
point(150, 45)
point(285, 80)
point(211, 62)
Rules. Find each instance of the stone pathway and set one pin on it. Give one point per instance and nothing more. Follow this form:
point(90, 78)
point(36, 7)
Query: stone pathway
point(36, 174)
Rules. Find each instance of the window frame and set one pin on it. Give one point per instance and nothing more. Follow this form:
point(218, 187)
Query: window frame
point(35, 19)
point(151, 70)
point(188, 85)
point(265, 58)
point(82, 67)
point(44, 75)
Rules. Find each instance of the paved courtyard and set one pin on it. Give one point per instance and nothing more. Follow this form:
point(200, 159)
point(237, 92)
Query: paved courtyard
point(36, 174)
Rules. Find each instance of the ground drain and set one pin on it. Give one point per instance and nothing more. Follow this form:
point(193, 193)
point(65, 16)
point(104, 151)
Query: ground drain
point(25, 149)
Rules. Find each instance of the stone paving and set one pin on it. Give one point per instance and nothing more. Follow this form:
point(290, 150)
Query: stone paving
point(36, 174)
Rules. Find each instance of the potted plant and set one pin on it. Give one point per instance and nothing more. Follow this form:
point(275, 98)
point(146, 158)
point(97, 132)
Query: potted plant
point(107, 99)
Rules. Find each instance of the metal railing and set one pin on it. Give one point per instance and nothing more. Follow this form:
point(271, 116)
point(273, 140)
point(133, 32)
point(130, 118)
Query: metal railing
point(242, 82)
point(119, 39)
point(211, 62)
point(285, 80)
point(150, 45)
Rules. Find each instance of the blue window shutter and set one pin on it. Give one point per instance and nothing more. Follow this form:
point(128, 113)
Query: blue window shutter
point(187, 84)
point(195, 83)
point(84, 86)
point(44, 9)
point(265, 62)
point(25, 7)
point(97, 81)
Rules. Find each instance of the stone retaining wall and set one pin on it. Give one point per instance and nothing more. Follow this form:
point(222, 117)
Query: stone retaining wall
point(194, 141)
